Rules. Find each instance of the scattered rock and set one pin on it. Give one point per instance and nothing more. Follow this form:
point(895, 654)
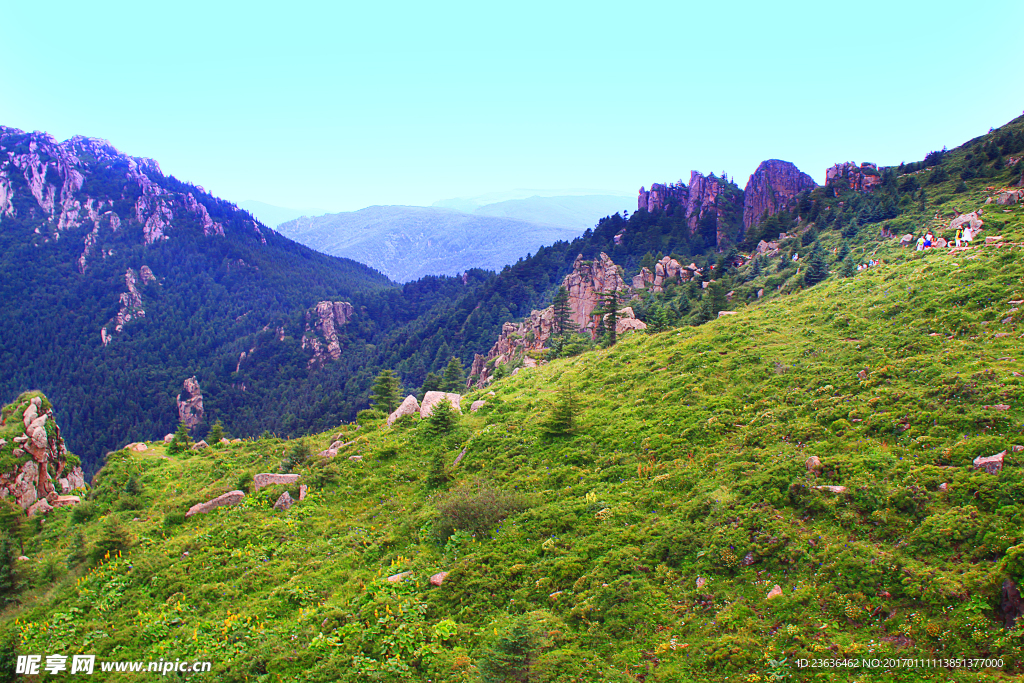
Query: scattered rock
point(302, 491)
point(775, 592)
point(462, 454)
point(138, 447)
point(993, 464)
point(813, 465)
point(968, 218)
point(432, 398)
point(477, 405)
point(438, 578)
point(943, 487)
point(941, 243)
point(65, 501)
point(224, 442)
point(355, 458)
point(22, 558)
point(1017, 448)
point(269, 478)
point(724, 313)
point(200, 445)
point(410, 406)
point(994, 239)
point(700, 582)
point(832, 489)
point(555, 595)
point(229, 498)
point(40, 507)
point(748, 560)
point(284, 501)
point(760, 293)
point(999, 335)
point(906, 240)
point(863, 374)
point(395, 578)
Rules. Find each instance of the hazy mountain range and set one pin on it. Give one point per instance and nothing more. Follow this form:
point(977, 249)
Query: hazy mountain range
point(453, 236)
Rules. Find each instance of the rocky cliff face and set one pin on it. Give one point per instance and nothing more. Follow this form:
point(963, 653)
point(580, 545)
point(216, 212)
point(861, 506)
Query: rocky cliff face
point(660, 196)
point(81, 187)
point(587, 281)
point(861, 178)
point(770, 189)
point(190, 403)
point(704, 195)
point(323, 330)
point(35, 457)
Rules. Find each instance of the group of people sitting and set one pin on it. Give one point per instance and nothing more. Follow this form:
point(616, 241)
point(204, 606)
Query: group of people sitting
point(964, 235)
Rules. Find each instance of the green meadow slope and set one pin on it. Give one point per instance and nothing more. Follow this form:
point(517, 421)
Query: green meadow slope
point(639, 545)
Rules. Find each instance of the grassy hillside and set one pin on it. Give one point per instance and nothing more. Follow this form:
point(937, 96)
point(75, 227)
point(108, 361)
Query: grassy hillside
point(641, 546)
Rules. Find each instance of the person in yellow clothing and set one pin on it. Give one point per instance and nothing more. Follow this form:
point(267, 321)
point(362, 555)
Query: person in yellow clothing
point(920, 243)
point(959, 236)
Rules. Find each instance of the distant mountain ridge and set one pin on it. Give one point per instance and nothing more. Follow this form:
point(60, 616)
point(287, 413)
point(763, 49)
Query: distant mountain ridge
point(409, 242)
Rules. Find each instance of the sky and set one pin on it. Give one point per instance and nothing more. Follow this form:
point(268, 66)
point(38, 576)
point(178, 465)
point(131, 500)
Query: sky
point(344, 105)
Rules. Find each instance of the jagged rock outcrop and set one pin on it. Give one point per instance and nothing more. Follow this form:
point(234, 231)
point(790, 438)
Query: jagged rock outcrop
point(432, 398)
point(587, 281)
point(38, 448)
point(131, 304)
point(284, 501)
point(660, 196)
point(323, 330)
point(665, 271)
point(704, 194)
point(861, 178)
point(770, 189)
point(410, 406)
point(585, 284)
point(190, 403)
point(55, 174)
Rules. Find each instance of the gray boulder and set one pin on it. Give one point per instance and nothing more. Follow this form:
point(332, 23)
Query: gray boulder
point(434, 397)
point(229, 498)
point(410, 406)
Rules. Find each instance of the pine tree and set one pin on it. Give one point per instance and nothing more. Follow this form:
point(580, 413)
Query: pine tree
point(562, 313)
point(442, 418)
point(844, 251)
point(181, 440)
point(8, 583)
point(454, 378)
point(216, 433)
point(657, 320)
point(609, 314)
point(562, 419)
point(848, 268)
point(385, 392)
point(430, 383)
point(817, 267)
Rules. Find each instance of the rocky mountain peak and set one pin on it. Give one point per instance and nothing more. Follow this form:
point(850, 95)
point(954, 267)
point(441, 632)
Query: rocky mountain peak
point(861, 177)
point(706, 194)
point(770, 188)
point(79, 188)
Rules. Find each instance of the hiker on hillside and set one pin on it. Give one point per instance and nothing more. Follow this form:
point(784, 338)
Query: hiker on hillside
point(968, 234)
point(928, 240)
point(959, 236)
point(920, 243)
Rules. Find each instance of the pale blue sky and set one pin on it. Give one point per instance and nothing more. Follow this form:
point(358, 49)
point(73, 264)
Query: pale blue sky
point(345, 105)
